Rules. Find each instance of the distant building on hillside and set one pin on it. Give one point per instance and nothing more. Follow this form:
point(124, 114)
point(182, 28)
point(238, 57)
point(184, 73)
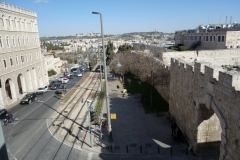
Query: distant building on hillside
point(210, 37)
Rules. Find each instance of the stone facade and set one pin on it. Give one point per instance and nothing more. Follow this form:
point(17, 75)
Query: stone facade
point(207, 111)
point(22, 65)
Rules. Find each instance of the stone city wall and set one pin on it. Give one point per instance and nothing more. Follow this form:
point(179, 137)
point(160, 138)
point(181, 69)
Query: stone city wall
point(206, 110)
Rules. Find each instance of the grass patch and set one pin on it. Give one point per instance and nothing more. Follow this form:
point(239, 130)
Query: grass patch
point(136, 86)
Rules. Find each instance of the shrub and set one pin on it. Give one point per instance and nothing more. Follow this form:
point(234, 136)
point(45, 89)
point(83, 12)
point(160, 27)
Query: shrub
point(51, 73)
point(181, 48)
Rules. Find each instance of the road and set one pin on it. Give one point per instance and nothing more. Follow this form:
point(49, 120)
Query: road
point(28, 136)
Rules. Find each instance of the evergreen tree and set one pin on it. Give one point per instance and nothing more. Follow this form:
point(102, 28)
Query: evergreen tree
point(109, 52)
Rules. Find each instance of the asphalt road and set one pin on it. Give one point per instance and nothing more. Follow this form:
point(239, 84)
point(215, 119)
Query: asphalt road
point(28, 136)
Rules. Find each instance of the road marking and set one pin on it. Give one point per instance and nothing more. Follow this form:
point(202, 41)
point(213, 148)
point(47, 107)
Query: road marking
point(30, 112)
point(89, 157)
point(74, 146)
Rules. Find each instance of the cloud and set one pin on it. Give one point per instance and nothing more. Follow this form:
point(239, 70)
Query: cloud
point(39, 1)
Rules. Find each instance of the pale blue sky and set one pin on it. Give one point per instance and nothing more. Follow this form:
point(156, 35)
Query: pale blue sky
point(68, 17)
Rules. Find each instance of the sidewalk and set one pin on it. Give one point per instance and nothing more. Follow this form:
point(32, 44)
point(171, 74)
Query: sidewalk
point(133, 131)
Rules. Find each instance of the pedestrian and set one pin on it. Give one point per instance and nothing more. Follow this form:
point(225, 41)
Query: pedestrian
point(107, 127)
point(173, 126)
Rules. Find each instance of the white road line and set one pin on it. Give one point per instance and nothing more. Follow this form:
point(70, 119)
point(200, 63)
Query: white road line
point(31, 111)
point(89, 157)
point(76, 147)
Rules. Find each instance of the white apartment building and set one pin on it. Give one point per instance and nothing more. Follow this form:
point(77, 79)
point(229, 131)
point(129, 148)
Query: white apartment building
point(210, 37)
point(22, 66)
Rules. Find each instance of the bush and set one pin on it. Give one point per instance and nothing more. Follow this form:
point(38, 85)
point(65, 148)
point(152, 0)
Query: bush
point(51, 73)
point(181, 48)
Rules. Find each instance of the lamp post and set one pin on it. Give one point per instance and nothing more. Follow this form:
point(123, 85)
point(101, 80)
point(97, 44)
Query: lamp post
point(100, 65)
point(89, 117)
point(105, 75)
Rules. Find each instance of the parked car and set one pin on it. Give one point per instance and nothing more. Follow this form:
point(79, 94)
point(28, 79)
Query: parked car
point(55, 86)
point(29, 98)
point(70, 77)
point(60, 79)
point(53, 82)
point(79, 74)
point(3, 114)
point(65, 80)
point(42, 90)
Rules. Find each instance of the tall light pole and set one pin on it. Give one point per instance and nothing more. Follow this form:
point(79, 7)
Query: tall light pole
point(105, 75)
point(100, 65)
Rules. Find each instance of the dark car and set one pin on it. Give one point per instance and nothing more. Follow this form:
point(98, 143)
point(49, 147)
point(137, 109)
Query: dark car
point(3, 114)
point(55, 86)
point(52, 83)
point(29, 98)
point(70, 76)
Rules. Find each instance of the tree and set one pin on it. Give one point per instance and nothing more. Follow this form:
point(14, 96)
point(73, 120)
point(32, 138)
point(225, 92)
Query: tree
point(125, 48)
point(154, 74)
point(109, 52)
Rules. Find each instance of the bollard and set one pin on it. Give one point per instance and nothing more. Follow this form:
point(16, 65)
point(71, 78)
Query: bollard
point(158, 150)
point(141, 149)
point(127, 149)
point(111, 148)
point(82, 100)
point(171, 150)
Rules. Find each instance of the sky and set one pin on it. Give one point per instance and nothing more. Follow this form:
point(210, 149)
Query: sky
point(70, 17)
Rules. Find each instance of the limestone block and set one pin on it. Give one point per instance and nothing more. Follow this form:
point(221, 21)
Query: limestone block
point(210, 86)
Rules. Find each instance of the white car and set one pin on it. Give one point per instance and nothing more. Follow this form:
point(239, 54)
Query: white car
point(42, 90)
point(60, 79)
point(65, 80)
point(79, 75)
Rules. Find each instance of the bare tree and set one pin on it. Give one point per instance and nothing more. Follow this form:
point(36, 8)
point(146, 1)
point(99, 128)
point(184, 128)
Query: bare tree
point(154, 74)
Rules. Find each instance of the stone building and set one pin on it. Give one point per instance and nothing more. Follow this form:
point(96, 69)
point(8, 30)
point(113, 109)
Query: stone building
point(210, 37)
point(22, 65)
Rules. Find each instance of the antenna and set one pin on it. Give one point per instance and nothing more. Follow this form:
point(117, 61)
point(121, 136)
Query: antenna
point(220, 19)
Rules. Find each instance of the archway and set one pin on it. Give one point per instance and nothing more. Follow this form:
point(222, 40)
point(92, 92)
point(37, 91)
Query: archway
point(208, 132)
point(20, 89)
point(8, 89)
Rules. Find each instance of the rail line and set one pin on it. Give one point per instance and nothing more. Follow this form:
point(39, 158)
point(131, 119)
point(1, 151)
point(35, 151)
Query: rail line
point(82, 89)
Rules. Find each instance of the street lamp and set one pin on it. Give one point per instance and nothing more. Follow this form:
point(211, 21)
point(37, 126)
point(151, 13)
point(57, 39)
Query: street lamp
point(105, 75)
point(89, 117)
point(100, 65)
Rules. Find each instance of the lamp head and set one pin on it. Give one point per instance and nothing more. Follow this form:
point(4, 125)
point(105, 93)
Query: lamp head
point(96, 13)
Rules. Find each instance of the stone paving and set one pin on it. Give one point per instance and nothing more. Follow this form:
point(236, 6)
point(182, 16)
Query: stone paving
point(140, 134)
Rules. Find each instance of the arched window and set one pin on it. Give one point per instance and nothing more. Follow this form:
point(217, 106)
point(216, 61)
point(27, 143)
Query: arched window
point(22, 58)
point(26, 58)
point(23, 38)
point(16, 59)
point(19, 42)
point(13, 41)
point(28, 43)
point(1, 44)
point(11, 61)
point(4, 63)
point(7, 41)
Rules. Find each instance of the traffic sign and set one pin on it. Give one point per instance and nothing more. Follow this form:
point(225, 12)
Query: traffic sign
point(113, 116)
